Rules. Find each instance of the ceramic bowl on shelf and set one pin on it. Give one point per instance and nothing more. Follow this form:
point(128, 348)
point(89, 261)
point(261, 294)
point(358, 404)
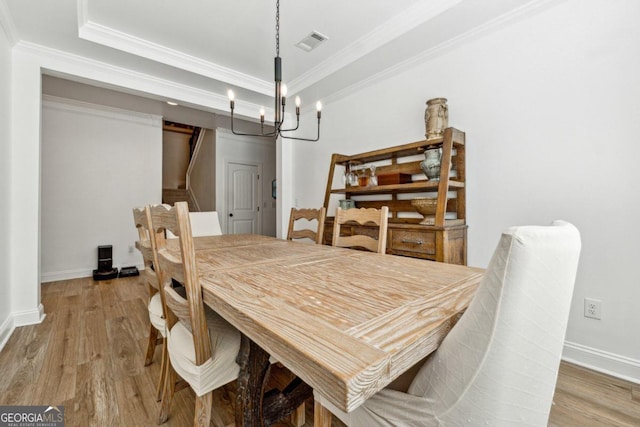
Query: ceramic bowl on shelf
point(426, 206)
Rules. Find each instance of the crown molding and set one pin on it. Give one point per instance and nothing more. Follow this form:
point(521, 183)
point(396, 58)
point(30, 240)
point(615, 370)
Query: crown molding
point(442, 48)
point(6, 24)
point(88, 108)
point(226, 133)
point(107, 36)
point(97, 33)
point(53, 61)
point(395, 27)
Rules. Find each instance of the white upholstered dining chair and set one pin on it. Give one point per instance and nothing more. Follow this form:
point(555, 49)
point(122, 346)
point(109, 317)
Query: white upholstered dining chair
point(205, 223)
point(202, 224)
point(202, 346)
point(499, 364)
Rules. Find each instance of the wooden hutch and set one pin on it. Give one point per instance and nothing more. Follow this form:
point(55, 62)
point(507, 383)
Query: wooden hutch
point(401, 179)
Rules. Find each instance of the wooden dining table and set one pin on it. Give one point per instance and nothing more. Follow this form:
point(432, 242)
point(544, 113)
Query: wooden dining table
point(345, 322)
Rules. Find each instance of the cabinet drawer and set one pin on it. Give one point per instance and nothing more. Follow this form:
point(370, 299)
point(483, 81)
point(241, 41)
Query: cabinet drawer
point(413, 241)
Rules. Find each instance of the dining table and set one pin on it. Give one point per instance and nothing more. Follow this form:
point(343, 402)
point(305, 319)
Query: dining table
point(345, 322)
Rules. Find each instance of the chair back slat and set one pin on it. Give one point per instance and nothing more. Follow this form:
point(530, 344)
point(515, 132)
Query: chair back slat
point(303, 234)
point(178, 306)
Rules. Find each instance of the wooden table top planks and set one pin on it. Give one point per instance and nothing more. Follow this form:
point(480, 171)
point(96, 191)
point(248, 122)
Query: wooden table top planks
point(346, 322)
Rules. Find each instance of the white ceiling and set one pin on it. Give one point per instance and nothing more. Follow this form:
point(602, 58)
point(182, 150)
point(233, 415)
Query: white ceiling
point(217, 45)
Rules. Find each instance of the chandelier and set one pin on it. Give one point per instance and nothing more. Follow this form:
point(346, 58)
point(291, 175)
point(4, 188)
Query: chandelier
point(280, 99)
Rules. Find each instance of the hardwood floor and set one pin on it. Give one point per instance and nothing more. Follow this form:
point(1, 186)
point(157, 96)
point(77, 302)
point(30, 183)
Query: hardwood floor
point(88, 356)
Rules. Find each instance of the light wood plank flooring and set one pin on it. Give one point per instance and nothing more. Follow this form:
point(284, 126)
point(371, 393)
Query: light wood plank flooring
point(88, 356)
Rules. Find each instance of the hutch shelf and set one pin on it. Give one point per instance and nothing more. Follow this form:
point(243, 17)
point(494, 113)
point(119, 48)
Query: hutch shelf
point(400, 180)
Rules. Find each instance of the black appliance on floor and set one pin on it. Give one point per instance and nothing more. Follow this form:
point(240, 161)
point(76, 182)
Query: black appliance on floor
point(105, 269)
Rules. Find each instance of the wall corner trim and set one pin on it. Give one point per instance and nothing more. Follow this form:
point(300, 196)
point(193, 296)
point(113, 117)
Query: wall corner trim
point(29, 317)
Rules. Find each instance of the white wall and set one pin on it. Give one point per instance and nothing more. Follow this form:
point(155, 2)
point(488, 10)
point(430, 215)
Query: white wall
point(551, 107)
point(6, 321)
point(97, 164)
point(203, 177)
point(262, 151)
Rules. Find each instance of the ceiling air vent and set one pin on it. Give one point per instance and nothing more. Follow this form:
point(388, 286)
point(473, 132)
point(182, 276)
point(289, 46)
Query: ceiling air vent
point(312, 41)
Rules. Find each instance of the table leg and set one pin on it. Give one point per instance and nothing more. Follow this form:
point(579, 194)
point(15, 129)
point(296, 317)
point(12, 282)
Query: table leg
point(321, 416)
point(254, 407)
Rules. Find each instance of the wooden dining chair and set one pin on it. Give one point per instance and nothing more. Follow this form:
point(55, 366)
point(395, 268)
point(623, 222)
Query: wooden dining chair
point(202, 346)
point(147, 246)
point(306, 233)
point(499, 364)
point(362, 216)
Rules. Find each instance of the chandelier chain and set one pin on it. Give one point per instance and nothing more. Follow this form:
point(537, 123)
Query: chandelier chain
point(277, 27)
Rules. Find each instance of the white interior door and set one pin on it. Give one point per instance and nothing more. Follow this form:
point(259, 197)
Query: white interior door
point(243, 198)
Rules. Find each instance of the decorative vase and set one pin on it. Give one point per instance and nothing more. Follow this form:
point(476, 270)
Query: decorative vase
point(426, 206)
point(436, 117)
point(431, 163)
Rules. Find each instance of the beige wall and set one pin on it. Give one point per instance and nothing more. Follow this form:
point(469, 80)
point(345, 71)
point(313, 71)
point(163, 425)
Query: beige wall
point(203, 173)
point(175, 159)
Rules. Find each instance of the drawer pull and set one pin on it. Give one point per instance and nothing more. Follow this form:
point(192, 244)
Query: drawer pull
point(415, 242)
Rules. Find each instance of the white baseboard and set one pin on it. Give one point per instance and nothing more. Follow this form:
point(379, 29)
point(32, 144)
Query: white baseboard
point(601, 361)
point(65, 275)
point(29, 317)
point(54, 276)
point(6, 329)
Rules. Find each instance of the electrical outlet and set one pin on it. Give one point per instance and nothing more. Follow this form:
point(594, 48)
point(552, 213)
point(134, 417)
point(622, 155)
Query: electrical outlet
point(593, 308)
point(131, 248)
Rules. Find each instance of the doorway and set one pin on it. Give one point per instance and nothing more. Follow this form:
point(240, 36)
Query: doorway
point(245, 168)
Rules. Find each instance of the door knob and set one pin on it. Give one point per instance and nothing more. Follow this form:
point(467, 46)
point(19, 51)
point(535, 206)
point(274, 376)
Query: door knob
point(230, 214)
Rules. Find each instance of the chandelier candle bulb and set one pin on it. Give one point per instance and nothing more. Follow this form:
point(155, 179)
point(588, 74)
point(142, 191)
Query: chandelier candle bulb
point(231, 98)
point(319, 108)
point(261, 114)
